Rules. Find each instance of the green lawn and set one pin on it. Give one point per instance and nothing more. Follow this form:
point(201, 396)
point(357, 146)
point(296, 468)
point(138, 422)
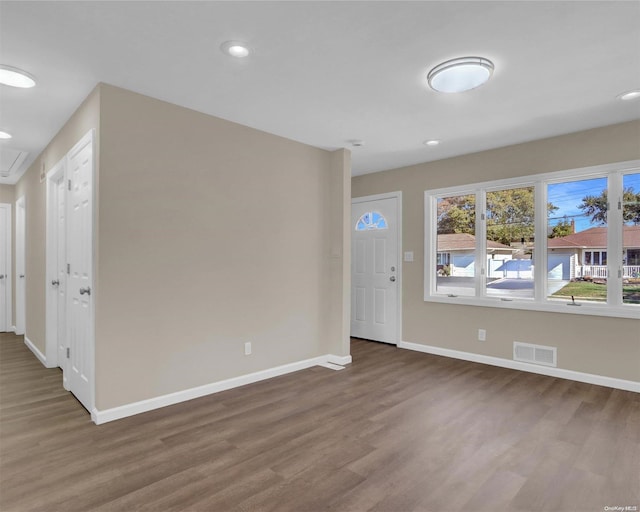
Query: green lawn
point(598, 292)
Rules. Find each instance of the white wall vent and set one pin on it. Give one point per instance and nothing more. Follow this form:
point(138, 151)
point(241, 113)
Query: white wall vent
point(536, 354)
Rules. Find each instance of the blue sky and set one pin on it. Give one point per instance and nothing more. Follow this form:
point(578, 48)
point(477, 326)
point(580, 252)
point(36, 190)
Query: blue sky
point(567, 197)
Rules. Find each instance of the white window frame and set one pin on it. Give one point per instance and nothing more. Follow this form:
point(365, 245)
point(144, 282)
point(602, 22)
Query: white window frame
point(443, 255)
point(592, 253)
point(614, 307)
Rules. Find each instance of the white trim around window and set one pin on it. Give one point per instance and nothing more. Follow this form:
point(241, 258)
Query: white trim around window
point(614, 306)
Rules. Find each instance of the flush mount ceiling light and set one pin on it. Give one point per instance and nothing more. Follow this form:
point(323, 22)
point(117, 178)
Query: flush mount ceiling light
point(15, 77)
point(630, 95)
point(431, 142)
point(459, 75)
point(356, 143)
point(5, 135)
point(236, 49)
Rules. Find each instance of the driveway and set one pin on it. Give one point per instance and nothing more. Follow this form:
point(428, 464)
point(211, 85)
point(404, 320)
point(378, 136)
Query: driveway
point(512, 288)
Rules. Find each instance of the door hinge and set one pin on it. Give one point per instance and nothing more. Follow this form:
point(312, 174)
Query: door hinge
point(482, 217)
point(69, 184)
point(619, 205)
point(68, 268)
point(68, 352)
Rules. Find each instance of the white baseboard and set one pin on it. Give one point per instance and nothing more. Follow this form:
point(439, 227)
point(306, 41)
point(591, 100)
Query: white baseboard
point(124, 411)
point(341, 360)
point(41, 357)
point(589, 378)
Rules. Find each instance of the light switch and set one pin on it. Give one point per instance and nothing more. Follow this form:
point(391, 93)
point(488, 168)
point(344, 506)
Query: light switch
point(408, 256)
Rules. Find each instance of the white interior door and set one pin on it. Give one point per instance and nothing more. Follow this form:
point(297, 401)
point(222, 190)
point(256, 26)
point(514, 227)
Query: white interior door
point(79, 367)
point(56, 267)
point(20, 265)
point(5, 267)
point(59, 281)
point(375, 272)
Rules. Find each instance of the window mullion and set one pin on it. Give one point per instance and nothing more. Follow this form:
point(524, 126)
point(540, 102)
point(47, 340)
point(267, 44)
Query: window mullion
point(540, 269)
point(614, 239)
point(481, 243)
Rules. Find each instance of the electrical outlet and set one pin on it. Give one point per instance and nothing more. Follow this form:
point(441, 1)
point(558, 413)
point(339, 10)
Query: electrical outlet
point(482, 335)
point(247, 348)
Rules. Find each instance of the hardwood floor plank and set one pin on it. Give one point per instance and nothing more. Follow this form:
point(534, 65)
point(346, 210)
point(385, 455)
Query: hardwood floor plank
point(396, 431)
point(496, 492)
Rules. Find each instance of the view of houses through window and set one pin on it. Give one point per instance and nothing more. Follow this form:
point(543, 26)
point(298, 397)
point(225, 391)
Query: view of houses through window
point(578, 245)
point(510, 222)
point(631, 235)
point(456, 245)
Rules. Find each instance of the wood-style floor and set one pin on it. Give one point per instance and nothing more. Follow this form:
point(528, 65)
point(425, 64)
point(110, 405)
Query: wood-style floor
point(395, 431)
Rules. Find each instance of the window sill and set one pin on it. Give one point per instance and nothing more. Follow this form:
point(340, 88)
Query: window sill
point(549, 306)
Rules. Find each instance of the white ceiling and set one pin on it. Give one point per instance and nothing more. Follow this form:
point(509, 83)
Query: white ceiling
point(324, 73)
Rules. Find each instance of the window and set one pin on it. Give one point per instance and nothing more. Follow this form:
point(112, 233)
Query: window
point(371, 220)
point(577, 245)
point(455, 270)
point(444, 259)
point(484, 242)
point(595, 258)
point(510, 237)
point(631, 238)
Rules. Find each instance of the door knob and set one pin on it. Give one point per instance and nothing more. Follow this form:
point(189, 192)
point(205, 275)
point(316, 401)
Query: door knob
point(1, 276)
point(55, 282)
point(392, 279)
point(21, 276)
point(86, 290)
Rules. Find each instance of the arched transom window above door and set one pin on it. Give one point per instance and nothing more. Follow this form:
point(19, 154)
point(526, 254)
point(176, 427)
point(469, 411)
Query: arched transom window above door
point(370, 221)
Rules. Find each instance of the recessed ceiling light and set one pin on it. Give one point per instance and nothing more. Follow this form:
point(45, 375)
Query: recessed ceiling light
point(15, 77)
point(630, 95)
point(5, 135)
point(236, 49)
point(459, 75)
point(431, 142)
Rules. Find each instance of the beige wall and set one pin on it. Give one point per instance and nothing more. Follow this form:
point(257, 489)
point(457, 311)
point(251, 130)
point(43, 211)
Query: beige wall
point(7, 194)
point(210, 235)
point(84, 119)
point(596, 345)
point(338, 309)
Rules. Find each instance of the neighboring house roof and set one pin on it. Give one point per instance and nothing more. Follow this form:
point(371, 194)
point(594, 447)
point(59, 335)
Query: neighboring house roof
point(594, 238)
point(466, 242)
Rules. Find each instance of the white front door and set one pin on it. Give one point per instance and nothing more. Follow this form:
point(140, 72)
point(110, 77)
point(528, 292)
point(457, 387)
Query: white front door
point(375, 272)
point(80, 365)
point(20, 265)
point(5, 267)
